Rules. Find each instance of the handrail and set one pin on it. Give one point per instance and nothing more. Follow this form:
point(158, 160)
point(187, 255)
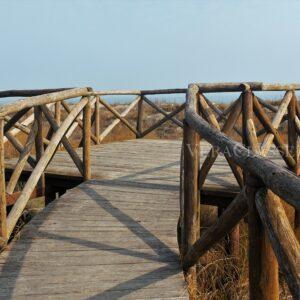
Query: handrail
point(238, 87)
point(281, 181)
point(29, 93)
point(139, 92)
point(263, 181)
point(42, 100)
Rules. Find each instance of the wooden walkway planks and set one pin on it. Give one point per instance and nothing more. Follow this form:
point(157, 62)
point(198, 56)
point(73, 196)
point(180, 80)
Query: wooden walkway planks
point(112, 237)
point(145, 160)
point(101, 240)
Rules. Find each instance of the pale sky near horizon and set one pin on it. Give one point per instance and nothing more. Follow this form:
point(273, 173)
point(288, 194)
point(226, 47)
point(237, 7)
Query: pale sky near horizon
point(133, 44)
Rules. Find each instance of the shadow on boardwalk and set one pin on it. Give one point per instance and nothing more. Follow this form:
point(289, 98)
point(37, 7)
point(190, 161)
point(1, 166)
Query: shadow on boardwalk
point(163, 253)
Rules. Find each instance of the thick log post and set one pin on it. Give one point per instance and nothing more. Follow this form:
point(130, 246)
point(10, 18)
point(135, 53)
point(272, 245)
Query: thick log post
point(39, 147)
point(263, 267)
point(293, 149)
point(234, 241)
point(87, 112)
point(140, 116)
point(3, 227)
point(57, 114)
point(97, 120)
point(282, 237)
point(191, 199)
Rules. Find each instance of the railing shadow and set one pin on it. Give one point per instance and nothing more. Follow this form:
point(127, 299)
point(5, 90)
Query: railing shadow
point(163, 253)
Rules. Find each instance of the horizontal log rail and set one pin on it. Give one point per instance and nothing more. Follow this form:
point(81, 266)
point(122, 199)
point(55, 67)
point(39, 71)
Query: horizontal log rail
point(30, 102)
point(29, 93)
point(263, 183)
point(238, 87)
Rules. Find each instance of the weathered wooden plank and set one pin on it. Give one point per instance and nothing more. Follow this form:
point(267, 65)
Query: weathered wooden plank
point(101, 228)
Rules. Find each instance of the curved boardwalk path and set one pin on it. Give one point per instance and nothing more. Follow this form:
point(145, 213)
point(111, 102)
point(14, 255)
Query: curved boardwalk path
point(113, 238)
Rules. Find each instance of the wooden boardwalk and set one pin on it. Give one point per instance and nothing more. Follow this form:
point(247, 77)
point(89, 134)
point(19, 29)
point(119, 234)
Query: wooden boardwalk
point(105, 239)
point(112, 237)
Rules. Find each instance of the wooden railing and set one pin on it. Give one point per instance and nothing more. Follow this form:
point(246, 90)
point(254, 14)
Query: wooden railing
point(33, 115)
point(263, 184)
point(140, 100)
point(10, 115)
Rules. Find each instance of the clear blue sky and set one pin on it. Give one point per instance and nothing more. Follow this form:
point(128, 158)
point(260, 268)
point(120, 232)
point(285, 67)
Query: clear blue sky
point(128, 44)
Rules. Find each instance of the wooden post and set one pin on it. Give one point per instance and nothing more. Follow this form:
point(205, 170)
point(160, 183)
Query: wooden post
point(3, 227)
point(191, 199)
point(140, 115)
point(263, 267)
point(294, 150)
point(57, 114)
point(282, 237)
point(234, 241)
point(97, 120)
point(39, 147)
point(87, 112)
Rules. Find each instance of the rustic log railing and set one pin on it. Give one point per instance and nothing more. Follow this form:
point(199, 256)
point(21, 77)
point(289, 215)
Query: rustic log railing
point(264, 184)
point(36, 183)
point(140, 100)
point(30, 116)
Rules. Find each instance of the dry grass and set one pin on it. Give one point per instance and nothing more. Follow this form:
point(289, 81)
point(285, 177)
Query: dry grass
point(221, 276)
